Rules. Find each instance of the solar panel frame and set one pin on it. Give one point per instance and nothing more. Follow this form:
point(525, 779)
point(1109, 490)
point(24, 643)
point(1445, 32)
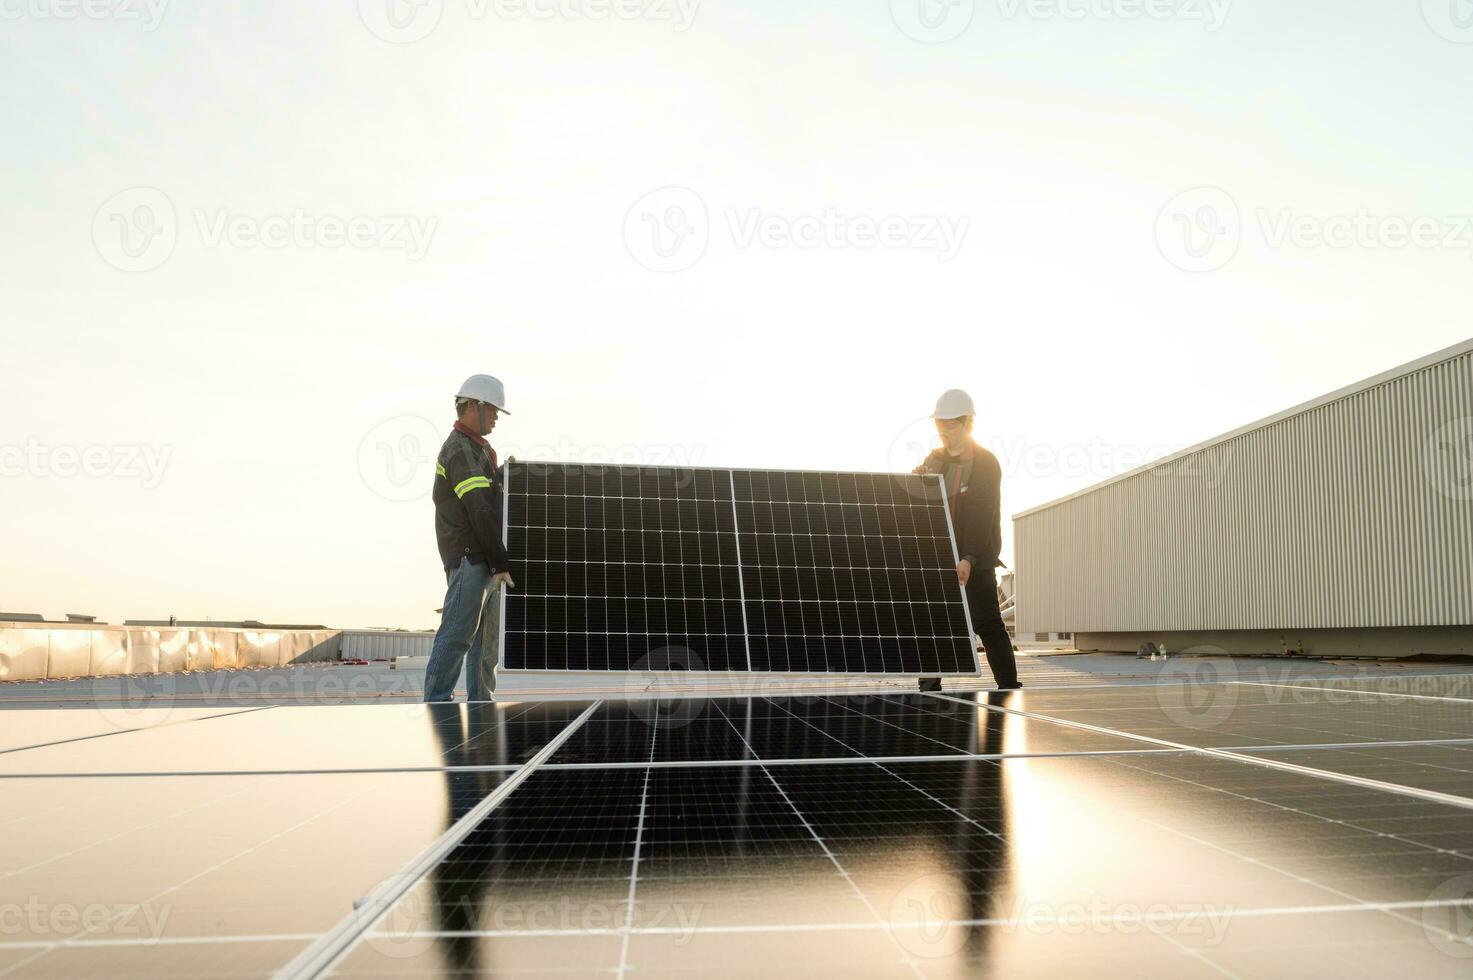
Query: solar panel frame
point(501, 591)
point(804, 677)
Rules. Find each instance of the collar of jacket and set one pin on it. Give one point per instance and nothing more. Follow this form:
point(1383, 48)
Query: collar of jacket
point(475, 437)
point(482, 444)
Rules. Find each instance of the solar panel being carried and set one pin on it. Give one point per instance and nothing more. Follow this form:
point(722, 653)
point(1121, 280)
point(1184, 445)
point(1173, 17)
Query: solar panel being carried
point(714, 570)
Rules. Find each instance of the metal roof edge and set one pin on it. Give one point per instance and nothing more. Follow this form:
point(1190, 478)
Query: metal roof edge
point(1411, 367)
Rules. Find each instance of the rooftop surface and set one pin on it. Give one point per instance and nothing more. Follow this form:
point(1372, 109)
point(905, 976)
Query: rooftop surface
point(1118, 817)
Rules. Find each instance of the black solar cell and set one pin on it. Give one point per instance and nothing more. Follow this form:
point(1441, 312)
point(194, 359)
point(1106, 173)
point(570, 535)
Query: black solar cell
point(731, 571)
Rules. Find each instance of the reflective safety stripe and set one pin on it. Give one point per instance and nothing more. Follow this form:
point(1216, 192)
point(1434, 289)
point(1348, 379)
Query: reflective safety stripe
point(466, 486)
point(439, 469)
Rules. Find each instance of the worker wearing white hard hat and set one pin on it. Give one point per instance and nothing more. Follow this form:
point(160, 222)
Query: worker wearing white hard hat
point(972, 479)
point(954, 404)
point(467, 495)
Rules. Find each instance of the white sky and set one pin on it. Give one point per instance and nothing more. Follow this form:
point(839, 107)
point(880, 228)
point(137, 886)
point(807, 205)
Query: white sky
point(259, 373)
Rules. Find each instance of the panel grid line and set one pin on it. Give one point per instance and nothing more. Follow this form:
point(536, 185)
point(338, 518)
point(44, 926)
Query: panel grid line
point(930, 923)
point(736, 533)
point(1360, 781)
point(503, 598)
point(843, 872)
point(118, 914)
point(125, 731)
point(335, 944)
point(1391, 909)
point(1342, 690)
point(644, 796)
point(890, 772)
point(882, 721)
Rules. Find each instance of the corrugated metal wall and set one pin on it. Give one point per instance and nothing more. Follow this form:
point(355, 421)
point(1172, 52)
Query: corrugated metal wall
point(1353, 513)
point(51, 651)
point(377, 645)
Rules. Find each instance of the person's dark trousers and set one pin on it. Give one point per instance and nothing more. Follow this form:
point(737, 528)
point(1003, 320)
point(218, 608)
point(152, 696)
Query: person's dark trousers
point(987, 622)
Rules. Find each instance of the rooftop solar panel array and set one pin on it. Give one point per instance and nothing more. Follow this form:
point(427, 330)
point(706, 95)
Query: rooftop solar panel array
point(1038, 833)
point(630, 568)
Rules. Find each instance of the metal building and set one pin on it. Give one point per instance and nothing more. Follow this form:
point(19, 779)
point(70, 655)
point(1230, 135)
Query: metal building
point(386, 644)
point(1343, 526)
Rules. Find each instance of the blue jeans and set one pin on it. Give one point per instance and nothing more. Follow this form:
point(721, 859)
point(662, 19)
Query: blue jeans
point(469, 634)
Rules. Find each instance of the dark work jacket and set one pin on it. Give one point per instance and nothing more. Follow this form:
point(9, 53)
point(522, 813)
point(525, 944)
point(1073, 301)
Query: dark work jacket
point(975, 497)
point(468, 493)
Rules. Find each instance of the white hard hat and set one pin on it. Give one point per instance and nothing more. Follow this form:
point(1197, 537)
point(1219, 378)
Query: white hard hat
point(486, 389)
point(954, 404)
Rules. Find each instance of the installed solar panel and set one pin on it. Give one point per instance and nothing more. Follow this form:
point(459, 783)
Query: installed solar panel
point(742, 836)
point(653, 568)
point(919, 869)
